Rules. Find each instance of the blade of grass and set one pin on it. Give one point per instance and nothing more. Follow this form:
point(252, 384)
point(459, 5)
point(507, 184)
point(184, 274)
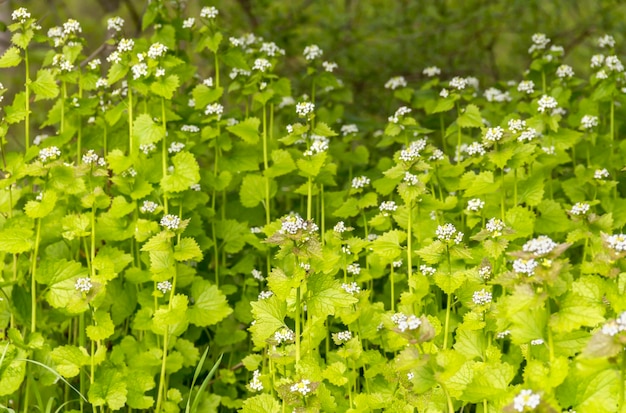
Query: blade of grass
point(58, 376)
point(205, 382)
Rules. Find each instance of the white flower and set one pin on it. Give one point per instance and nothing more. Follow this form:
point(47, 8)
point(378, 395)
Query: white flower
point(83, 284)
point(148, 207)
point(115, 23)
point(564, 71)
point(160, 72)
point(395, 83)
point(521, 266)
point(139, 70)
point(301, 387)
point(256, 384)
point(284, 335)
point(262, 65)
point(125, 45)
point(352, 288)
point(546, 102)
point(344, 336)
point(208, 82)
point(613, 64)
point(293, 223)
point(516, 125)
point(209, 12)
point(387, 206)
point(410, 179)
point(264, 295)
point(536, 342)
point(448, 232)
point(319, 144)
point(526, 86)
point(485, 272)
point(164, 286)
point(496, 95)
point(472, 81)
point(156, 50)
point(71, 27)
point(170, 221)
point(20, 15)
point(539, 246)
point(475, 205)
point(91, 157)
point(579, 208)
point(397, 264)
point(427, 271)
point(597, 60)
point(601, 174)
point(190, 128)
point(458, 83)
point(304, 109)
point(617, 242)
point(494, 134)
point(588, 122)
point(606, 41)
point(431, 71)
point(413, 151)
point(188, 23)
point(257, 275)
point(410, 375)
point(147, 148)
point(339, 227)
point(271, 49)
point(437, 155)
point(405, 322)
point(312, 52)
point(503, 334)
point(330, 66)
point(481, 297)
point(175, 147)
point(540, 41)
point(526, 398)
point(50, 153)
point(444, 93)
point(602, 74)
point(214, 109)
point(528, 135)
point(495, 226)
point(354, 268)
point(475, 148)
point(611, 328)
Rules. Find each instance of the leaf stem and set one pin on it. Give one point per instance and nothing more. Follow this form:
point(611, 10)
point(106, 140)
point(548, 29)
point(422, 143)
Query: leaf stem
point(131, 144)
point(297, 333)
point(27, 102)
point(164, 153)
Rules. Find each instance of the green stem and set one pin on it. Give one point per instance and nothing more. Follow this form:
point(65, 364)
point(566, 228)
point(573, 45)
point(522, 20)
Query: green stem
point(621, 382)
point(409, 247)
point(323, 217)
point(448, 399)
point(79, 137)
point(81, 343)
point(309, 199)
point(515, 187)
point(446, 328)
point(458, 142)
point(131, 144)
point(63, 99)
point(164, 153)
point(297, 319)
point(33, 281)
point(393, 289)
point(27, 102)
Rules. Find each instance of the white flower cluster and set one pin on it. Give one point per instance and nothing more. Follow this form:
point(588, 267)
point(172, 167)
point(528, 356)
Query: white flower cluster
point(495, 226)
point(405, 322)
point(448, 232)
point(170, 221)
point(387, 206)
point(62, 63)
point(485, 272)
point(236, 72)
point(589, 121)
point(402, 110)
point(214, 109)
point(190, 128)
point(528, 135)
point(49, 153)
point(209, 12)
point(413, 151)
point(340, 227)
point(579, 208)
point(329, 66)
point(475, 204)
point(601, 174)
point(444, 93)
point(410, 179)
point(271, 49)
point(257, 275)
point(536, 342)
point(613, 327)
point(475, 148)
point(92, 158)
point(606, 41)
point(397, 264)
point(148, 207)
point(496, 95)
point(175, 147)
point(526, 86)
point(304, 109)
point(147, 148)
point(115, 24)
point(437, 155)
point(264, 295)
point(458, 83)
point(540, 41)
point(318, 144)
point(494, 134)
point(284, 335)
point(125, 45)
point(354, 268)
point(312, 52)
point(546, 102)
point(565, 71)
point(617, 242)
point(521, 266)
point(396, 82)
point(139, 70)
point(20, 15)
point(539, 246)
point(344, 336)
point(164, 286)
point(427, 271)
point(301, 387)
point(71, 27)
point(255, 383)
point(293, 223)
point(349, 129)
point(613, 64)
point(83, 284)
point(431, 71)
point(261, 64)
point(156, 50)
point(503, 334)
point(188, 23)
point(516, 125)
point(351, 288)
point(481, 297)
point(526, 398)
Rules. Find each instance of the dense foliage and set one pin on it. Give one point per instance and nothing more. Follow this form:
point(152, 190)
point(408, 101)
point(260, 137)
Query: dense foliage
point(187, 229)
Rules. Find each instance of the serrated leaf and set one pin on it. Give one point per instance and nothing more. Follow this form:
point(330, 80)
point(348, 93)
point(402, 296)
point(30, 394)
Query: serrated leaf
point(11, 57)
point(69, 360)
point(263, 403)
point(109, 388)
point(45, 86)
point(16, 112)
point(165, 86)
point(16, 240)
point(252, 191)
point(40, 209)
point(12, 368)
point(432, 253)
point(187, 249)
point(172, 319)
point(147, 130)
point(269, 316)
point(552, 217)
point(470, 118)
point(478, 184)
point(388, 245)
point(326, 295)
point(209, 305)
point(248, 130)
point(186, 173)
point(102, 327)
point(310, 167)
point(204, 95)
point(531, 190)
point(281, 284)
point(323, 129)
point(282, 163)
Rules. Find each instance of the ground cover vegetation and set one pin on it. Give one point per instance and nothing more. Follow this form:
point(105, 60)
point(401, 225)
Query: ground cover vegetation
point(188, 229)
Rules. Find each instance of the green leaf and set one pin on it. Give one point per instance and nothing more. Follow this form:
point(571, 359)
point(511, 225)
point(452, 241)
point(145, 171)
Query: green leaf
point(187, 249)
point(165, 86)
point(326, 295)
point(12, 368)
point(480, 184)
point(17, 111)
point(449, 283)
point(388, 245)
point(282, 163)
point(596, 393)
point(281, 284)
point(248, 130)
point(11, 58)
point(263, 403)
point(432, 253)
point(109, 388)
point(552, 217)
point(490, 382)
point(102, 327)
point(470, 118)
point(146, 130)
point(349, 208)
point(323, 129)
point(204, 95)
point(45, 86)
point(16, 240)
point(40, 209)
point(310, 167)
point(173, 319)
point(471, 343)
point(581, 307)
point(269, 316)
point(531, 190)
point(209, 305)
point(252, 191)
point(335, 373)
point(159, 242)
point(139, 382)
point(186, 173)
point(69, 360)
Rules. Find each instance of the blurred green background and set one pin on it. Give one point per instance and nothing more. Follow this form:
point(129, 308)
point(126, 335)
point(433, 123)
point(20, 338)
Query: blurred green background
point(373, 40)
